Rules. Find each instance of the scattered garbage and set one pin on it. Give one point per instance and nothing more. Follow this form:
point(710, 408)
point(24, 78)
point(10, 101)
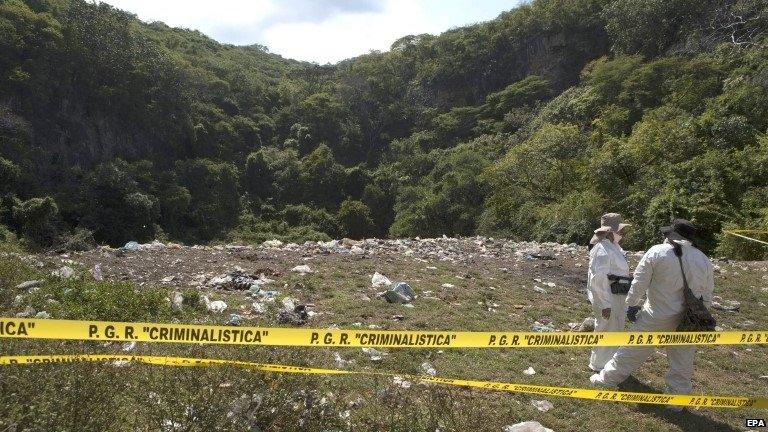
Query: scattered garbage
point(177, 301)
point(259, 308)
point(399, 293)
point(238, 280)
point(302, 269)
point(65, 272)
point(448, 286)
point(375, 354)
point(539, 256)
point(539, 289)
point(96, 273)
point(272, 243)
point(298, 316)
point(29, 284)
point(216, 306)
point(42, 315)
point(28, 312)
point(339, 361)
point(133, 246)
point(588, 325)
point(128, 346)
point(527, 426)
point(378, 280)
point(289, 304)
point(235, 320)
point(400, 382)
point(428, 369)
point(529, 371)
point(541, 327)
point(725, 305)
point(542, 405)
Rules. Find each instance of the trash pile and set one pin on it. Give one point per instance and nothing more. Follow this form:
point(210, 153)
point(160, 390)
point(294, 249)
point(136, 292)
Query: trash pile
point(239, 280)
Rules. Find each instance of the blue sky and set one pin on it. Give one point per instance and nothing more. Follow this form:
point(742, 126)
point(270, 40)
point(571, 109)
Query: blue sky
point(322, 31)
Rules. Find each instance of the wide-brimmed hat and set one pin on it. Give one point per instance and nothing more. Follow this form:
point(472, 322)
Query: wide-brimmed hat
point(609, 222)
point(682, 227)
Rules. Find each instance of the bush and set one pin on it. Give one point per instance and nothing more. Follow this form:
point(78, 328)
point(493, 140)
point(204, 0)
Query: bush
point(355, 218)
point(191, 298)
point(81, 239)
point(36, 217)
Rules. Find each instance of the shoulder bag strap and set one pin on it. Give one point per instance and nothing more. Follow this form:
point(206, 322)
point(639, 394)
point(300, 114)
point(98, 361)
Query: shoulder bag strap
point(679, 253)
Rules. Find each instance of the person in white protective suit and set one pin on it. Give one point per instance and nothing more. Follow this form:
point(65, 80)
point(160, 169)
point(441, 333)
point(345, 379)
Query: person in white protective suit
point(658, 275)
point(607, 261)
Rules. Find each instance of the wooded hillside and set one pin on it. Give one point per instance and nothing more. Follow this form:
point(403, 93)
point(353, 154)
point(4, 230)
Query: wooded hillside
point(528, 126)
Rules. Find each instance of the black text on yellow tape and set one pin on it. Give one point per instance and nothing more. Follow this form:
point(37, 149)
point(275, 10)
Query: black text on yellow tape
point(212, 334)
point(578, 393)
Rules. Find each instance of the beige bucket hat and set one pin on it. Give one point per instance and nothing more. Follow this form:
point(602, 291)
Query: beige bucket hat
point(609, 222)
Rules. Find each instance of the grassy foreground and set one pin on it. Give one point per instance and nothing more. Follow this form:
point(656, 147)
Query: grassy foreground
point(136, 397)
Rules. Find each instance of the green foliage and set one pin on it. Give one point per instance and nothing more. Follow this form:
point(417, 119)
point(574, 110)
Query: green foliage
point(118, 207)
point(92, 300)
point(192, 299)
point(527, 125)
point(80, 239)
point(36, 217)
point(215, 199)
point(355, 218)
point(9, 175)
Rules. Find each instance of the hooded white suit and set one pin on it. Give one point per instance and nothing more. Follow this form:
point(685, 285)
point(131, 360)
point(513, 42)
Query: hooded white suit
point(606, 258)
point(659, 276)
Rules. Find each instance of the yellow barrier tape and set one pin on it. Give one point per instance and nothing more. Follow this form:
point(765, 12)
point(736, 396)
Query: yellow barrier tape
point(578, 393)
point(277, 336)
point(738, 233)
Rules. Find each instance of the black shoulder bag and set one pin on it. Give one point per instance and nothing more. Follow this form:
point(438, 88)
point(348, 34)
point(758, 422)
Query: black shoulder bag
point(696, 317)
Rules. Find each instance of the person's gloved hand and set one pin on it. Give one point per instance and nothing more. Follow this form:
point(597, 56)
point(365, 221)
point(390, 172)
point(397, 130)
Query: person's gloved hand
point(632, 313)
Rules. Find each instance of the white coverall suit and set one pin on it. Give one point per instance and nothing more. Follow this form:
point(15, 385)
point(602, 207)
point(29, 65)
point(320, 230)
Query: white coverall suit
point(658, 274)
point(606, 258)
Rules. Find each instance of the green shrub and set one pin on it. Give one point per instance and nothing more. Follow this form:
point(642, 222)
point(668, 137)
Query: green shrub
point(81, 239)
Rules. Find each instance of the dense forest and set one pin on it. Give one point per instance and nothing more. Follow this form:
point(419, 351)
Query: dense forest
point(529, 126)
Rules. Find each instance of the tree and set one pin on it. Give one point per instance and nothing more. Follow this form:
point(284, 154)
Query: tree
point(215, 200)
point(37, 217)
point(355, 218)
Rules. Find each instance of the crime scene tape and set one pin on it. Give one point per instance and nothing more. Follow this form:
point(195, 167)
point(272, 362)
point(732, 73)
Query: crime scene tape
point(577, 393)
point(740, 233)
point(278, 336)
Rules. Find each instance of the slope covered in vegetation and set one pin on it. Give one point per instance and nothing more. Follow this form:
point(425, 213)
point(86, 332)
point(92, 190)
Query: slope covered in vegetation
point(529, 126)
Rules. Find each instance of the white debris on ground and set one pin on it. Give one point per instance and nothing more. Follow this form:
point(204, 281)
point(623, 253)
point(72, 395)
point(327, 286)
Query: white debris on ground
point(542, 405)
point(302, 269)
point(29, 284)
point(529, 371)
point(65, 272)
point(378, 280)
point(725, 305)
point(216, 306)
point(528, 426)
point(375, 354)
point(428, 369)
point(400, 382)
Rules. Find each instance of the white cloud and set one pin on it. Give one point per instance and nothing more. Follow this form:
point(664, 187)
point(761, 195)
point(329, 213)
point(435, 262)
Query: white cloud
point(347, 35)
point(323, 31)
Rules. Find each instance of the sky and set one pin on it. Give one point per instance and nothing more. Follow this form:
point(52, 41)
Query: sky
point(321, 31)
